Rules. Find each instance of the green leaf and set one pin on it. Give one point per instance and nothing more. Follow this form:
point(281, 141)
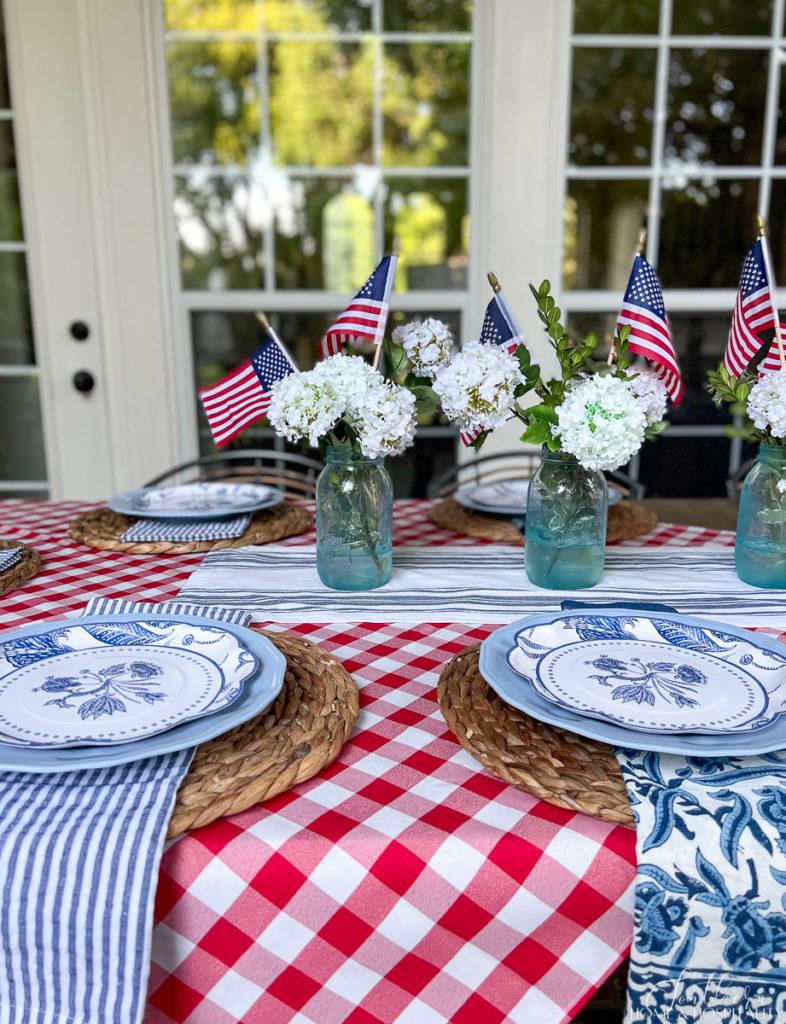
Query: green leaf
point(537, 433)
point(396, 357)
point(545, 288)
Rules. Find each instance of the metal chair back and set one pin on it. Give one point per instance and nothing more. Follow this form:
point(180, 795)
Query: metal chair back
point(295, 474)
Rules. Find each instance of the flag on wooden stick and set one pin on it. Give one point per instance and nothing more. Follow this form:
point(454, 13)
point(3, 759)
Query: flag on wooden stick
point(243, 396)
point(365, 317)
point(644, 312)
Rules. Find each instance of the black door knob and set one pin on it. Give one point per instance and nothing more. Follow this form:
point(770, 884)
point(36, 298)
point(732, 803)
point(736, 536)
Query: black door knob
point(84, 381)
point(79, 330)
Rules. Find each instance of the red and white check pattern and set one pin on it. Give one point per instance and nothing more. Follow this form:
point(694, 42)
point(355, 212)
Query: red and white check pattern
point(403, 884)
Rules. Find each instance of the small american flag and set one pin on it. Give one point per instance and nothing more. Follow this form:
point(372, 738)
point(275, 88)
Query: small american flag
point(366, 315)
point(243, 396)
point(753, 313)
point(499, 328)
point(644, 312)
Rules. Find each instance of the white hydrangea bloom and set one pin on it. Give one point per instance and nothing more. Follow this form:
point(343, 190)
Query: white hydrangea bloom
point(428, 344)
point(302, 408)
point(651, 393)
point(477, 386)
point(385, 420)
point(781, 485)
point(601, 422)
point(310, 405)
point(767, 403)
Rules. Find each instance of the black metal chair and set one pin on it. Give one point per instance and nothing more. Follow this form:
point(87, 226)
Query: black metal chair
point(296, 475)
point(519, 464)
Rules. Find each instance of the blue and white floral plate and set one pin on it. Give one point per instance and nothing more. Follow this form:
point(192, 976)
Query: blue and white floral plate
point(647, 671)
point(761, 735)
point(196, 501)
point(97, 681)
point(258, 691)
point(506, 497)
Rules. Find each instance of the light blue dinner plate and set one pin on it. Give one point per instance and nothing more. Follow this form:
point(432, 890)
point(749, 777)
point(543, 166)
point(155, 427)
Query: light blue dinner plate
point(202, 500)
point(259, 691)
point(517, 691)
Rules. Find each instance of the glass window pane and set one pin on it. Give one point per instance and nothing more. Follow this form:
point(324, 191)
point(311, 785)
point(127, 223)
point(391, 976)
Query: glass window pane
point(780, 135)
point(214, 102)
point(425, 104)
point(316, 16)
point(427, 15)
point(10, 209)
point(324, 233)
point(636, 16)
point(706, 228)
point(777, 228)
point(320, 102)
point(20, 416)
point(612, 106)
point(220, 221)
point(426, 221)
point(16, 329)
point(722, 17)
point(211, 15)
point(601, 225)
point(716, 106)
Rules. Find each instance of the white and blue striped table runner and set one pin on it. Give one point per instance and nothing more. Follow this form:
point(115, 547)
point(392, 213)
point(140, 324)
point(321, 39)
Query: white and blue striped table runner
point(459, 584)
point(79, 859)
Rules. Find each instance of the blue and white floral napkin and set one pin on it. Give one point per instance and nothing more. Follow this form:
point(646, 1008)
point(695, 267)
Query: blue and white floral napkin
point(9, 557)
point(186, 530)
point(79, 858)
point(710, 899)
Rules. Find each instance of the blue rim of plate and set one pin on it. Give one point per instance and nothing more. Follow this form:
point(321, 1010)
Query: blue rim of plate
point(541, 686)
point(123, 503)
point(226, 690)
point(464, 497)
point(259, 692)
point(514, 690)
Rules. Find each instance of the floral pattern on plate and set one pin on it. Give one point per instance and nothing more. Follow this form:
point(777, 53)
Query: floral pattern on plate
point(109, 682)
point(649, 672)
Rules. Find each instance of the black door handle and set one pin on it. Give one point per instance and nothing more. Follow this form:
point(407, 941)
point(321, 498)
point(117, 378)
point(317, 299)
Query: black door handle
point(79, 330)
point(83, 381)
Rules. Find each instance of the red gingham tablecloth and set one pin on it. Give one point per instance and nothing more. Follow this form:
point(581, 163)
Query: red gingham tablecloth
point(403, 884)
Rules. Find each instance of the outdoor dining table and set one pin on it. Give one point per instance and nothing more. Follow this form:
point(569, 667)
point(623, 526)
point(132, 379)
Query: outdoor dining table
point(401, 884)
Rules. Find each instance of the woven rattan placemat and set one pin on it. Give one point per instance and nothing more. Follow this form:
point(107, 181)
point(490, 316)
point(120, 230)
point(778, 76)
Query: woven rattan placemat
point(25, 569)
point(565, 769)
point(102, 528)
point(627, 520)
point(301, 732)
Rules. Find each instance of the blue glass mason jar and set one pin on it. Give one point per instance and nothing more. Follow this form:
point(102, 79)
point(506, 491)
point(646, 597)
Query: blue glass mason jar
point(354, 521)
point(567, 508)
point(760, 549)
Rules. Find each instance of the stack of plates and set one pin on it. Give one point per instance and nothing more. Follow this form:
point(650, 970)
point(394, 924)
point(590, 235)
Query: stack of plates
point(196, 501)
point(107, 689)
point(650, 680)
point(506, 497)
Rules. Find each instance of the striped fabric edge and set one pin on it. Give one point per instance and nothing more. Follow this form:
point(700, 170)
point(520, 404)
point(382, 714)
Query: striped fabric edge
point(9, 557)
point(79, 859)
point(119, 606)
point(190, 530)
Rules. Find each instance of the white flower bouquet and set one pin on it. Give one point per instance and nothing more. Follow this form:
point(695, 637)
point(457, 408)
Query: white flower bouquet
point(344, 401)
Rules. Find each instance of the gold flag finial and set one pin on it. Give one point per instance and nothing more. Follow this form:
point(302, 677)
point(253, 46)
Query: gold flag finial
point(494, 282)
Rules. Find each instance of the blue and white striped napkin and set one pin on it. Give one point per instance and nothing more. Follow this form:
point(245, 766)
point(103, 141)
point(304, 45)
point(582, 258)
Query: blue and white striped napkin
point(186, 530)
point(79, 858)
point(9, 557)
